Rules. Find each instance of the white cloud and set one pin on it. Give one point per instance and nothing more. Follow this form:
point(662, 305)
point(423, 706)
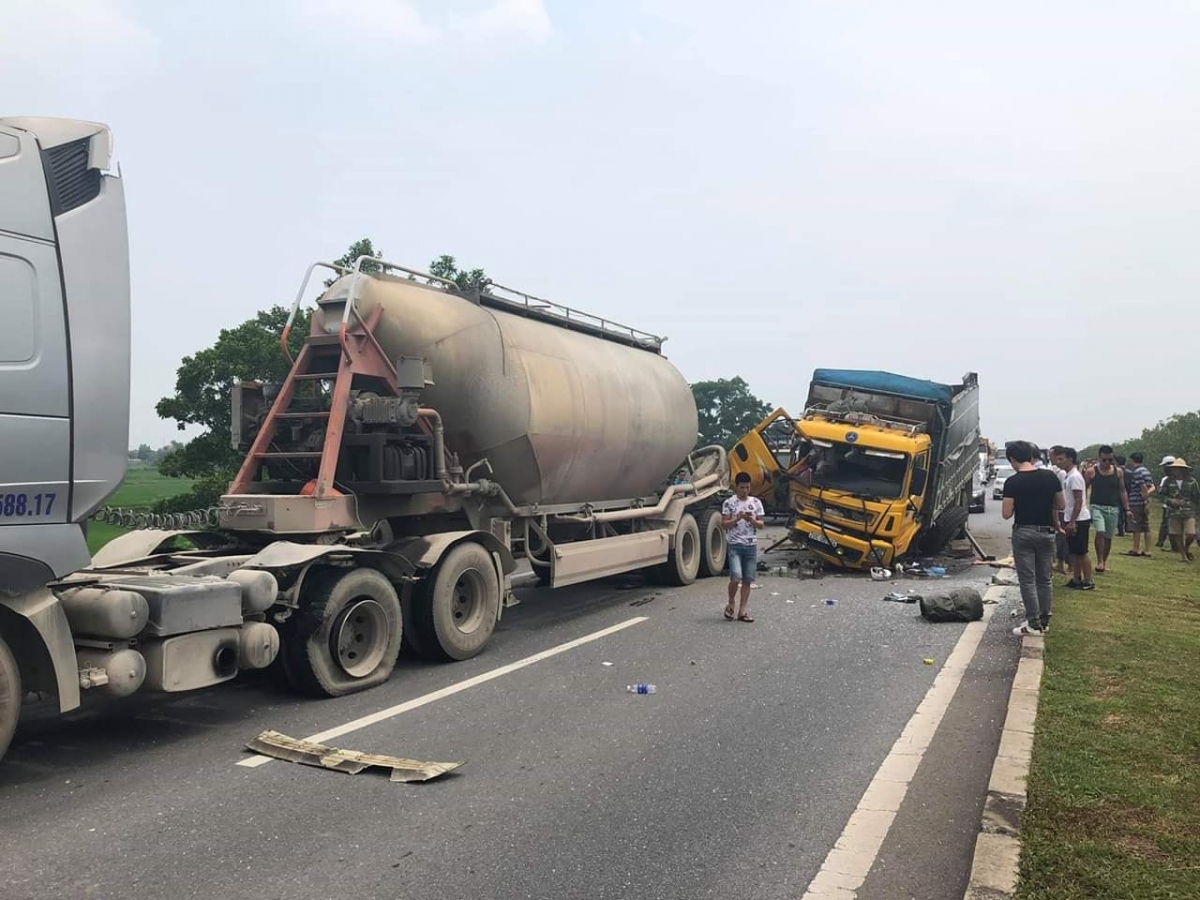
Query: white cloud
point(399, 20)
point(405, 20)
point(526, 19)
point(94, 44)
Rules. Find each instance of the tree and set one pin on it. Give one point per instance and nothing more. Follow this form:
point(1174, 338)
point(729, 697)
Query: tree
point(361, 247)
point(727, 410)
point(447, 267)
point(203, 385)
point(1177, 436)
point(247, 352)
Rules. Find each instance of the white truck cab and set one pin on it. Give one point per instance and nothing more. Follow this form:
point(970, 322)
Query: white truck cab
point(64, 343)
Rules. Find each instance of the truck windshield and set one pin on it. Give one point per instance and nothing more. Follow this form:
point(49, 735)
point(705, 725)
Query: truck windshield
point(860, 470)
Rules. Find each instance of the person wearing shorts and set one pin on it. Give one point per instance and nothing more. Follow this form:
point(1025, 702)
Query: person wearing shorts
point(1109, 499)
point(1139, 484)
point(1077, 520)
point(742, 516)
point(1181, 497)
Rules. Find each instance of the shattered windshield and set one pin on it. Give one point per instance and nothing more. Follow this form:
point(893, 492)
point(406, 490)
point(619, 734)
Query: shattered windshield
point(860, 470)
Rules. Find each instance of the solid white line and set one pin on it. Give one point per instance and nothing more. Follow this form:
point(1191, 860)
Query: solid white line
point(848, 863)
point(451, 690)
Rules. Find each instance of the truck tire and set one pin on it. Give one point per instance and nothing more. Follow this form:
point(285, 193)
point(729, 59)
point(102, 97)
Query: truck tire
point(713, 547)
point(346, 635)
point(460, 608)
point(948, 526)
point(683, 565)
point(10, 696)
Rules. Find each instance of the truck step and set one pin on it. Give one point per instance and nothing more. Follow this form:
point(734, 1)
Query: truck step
point(291, 455)
point(313, 414)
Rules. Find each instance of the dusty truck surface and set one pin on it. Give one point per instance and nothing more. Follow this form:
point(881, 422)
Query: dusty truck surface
point(424, 441)
point(879, 465)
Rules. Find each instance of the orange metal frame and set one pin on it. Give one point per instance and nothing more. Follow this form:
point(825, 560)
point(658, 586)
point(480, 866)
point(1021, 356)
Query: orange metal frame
point(359, 354)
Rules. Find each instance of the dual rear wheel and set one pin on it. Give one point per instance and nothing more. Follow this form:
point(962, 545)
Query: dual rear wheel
point(348, 634)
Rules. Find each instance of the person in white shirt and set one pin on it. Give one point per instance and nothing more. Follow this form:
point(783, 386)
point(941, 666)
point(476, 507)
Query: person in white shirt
point(1077, 520)
point(742, 516)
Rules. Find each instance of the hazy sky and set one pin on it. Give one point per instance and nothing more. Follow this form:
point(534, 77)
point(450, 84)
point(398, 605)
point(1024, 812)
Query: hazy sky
point(929, 188)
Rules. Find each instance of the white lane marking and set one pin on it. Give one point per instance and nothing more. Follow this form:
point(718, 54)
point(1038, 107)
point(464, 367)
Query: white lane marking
point(451, 690)
point(848, 863)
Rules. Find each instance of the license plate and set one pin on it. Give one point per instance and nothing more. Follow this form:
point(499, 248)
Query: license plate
point(822, 539)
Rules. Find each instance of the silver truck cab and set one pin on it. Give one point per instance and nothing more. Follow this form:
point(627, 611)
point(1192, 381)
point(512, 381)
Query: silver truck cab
point(64, 343)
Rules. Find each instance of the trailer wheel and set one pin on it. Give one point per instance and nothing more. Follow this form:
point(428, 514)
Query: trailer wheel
point(462, 606)
point(713, 549)
point(346, 636)
point(683, 565)
point(10, 696)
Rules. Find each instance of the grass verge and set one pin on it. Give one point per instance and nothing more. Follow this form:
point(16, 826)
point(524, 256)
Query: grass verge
point(1114, 790)
point(142, 488)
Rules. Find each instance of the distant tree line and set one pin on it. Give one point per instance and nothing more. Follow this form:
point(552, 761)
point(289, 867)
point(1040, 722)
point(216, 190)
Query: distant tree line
point(1177, 436)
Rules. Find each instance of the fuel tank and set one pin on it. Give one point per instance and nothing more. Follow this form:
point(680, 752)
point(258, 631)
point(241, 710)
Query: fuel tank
point(562, 415)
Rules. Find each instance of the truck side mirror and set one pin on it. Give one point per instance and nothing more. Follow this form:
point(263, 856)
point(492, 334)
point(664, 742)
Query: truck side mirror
point(917, 488)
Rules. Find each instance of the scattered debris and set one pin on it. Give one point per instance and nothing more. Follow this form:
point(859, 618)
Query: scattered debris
point(644, 600)
point(829, 601)
point(897, 597)
point(641, 688)
point(289, 749)
point(1007, 563)
point(878, 573)
point(928, 661)
point(791, 601)
point(774, 593)
point(606, 663)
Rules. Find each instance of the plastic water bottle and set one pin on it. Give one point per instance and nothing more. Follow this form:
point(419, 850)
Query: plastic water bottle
point(829, 601)
point(640, 688)
point(937, 571)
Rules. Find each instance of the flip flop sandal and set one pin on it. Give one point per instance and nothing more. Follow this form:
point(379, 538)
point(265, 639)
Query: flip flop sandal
point(1135, 553)
point(729, 614)
point(745, 617)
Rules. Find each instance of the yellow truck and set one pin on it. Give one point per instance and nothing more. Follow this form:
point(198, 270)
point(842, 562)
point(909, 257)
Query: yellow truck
point(879, 465)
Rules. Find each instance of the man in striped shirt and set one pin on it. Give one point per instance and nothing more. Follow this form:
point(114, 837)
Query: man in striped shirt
point(1139, 486)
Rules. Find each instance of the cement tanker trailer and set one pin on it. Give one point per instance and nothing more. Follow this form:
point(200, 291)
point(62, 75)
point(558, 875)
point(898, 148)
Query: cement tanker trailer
point(424, 441)
point(427, 439)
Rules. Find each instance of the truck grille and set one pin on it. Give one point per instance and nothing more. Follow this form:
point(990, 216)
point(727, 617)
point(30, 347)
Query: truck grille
point(68, 177)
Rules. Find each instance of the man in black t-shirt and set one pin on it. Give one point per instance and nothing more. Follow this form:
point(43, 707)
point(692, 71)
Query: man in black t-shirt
point(1034, 499)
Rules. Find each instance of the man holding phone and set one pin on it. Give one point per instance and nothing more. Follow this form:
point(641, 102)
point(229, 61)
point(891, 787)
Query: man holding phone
point(742, 516)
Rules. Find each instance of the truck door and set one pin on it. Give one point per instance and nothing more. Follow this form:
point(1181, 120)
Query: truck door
point(35, 404)
point(772, 451)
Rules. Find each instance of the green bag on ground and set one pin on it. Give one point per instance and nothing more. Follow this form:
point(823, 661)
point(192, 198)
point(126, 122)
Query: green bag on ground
point(959, 605)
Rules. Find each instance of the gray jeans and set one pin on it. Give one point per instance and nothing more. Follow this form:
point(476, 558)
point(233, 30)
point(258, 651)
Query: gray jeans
point(1033, 553)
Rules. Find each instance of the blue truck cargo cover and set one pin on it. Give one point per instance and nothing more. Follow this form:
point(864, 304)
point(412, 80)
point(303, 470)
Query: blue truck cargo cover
point(885, 382)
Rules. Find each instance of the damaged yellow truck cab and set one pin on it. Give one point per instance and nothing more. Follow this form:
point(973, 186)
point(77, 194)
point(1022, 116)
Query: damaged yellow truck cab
point(879, 465)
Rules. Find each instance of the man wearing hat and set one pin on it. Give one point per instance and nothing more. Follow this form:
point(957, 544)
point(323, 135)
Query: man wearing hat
point(1165, 525)
point(1181, 497)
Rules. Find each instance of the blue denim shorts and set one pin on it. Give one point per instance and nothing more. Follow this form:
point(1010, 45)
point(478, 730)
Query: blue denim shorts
point(743, 562)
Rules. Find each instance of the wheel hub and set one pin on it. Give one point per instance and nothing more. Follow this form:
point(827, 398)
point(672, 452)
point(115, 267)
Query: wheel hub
point(468, 604)
point(361, 638)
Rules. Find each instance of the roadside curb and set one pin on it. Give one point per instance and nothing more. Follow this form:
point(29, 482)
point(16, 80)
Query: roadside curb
point(997, 858)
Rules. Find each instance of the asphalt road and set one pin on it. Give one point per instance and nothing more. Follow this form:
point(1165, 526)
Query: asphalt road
point(733, 781)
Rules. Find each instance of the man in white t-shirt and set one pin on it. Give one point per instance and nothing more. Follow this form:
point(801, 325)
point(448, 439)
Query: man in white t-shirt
point(742, 516)
point(1077, 520)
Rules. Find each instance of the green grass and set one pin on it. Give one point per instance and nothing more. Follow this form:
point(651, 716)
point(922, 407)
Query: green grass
point(143, 487)
point(1114, 791)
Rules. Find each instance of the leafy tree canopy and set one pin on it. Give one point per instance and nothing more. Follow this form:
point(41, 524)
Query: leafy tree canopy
point(1177, 436)
point(727, 410)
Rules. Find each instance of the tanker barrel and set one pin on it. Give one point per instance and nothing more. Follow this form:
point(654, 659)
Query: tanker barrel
point(259, 589)
point(563, 410)
point(125, 669)
point(104, 612)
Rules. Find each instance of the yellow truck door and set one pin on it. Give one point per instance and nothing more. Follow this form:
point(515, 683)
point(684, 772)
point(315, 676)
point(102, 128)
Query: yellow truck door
point(774, 454)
